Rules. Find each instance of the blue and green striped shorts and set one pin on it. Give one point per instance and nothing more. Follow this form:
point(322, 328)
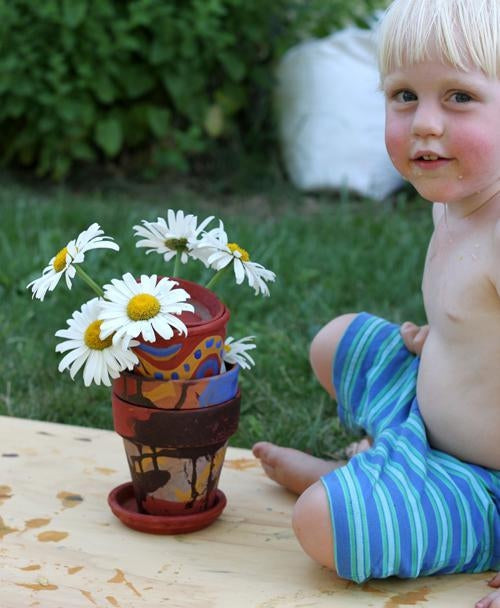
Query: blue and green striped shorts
point(402, 508)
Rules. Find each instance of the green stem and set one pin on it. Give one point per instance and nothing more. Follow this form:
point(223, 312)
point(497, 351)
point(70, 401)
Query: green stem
point(90, 282)
point(217, 276)
point(177, 263)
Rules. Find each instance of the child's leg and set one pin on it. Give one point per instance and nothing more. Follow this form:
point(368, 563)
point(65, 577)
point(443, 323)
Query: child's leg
point(323, 349)
point(313, 527)
point(293, 469)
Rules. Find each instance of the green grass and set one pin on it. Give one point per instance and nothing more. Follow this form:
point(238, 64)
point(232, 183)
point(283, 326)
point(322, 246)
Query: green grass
point(331, 255)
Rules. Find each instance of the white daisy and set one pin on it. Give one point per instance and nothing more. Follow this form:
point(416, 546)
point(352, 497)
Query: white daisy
point(219, 254)
point(209, 243)
point(178, 234)
point(132, 308)
point(103, 359)
point(236, 352)
point(63, 262)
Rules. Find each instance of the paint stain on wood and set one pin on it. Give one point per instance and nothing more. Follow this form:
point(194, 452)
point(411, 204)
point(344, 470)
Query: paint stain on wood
point(88, 595)
point(41, 586)
point(410, 598)
point(369, 588)
point(105, 470)
point(31, 567)
point(51, 536)
point(241, 464)
point(120, 578)
point(5, 493)
point(74, 569)
point(69, 499)
point(113, 601)
point(37, 522)
point(4, 529)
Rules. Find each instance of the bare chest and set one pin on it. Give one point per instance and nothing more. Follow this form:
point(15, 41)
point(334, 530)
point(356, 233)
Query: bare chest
point(456, 285)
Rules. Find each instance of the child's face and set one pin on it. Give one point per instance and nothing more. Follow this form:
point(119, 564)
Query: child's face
point(443, 131)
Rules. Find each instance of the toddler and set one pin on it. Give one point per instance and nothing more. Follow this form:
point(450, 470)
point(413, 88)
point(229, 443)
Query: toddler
point(424, 497)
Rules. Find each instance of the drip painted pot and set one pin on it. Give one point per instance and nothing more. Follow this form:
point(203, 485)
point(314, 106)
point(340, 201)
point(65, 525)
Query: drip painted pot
point(177, 394)
point(175, 456)
point(197, 355)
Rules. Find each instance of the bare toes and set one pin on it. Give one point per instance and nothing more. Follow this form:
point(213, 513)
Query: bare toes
point(262, 449)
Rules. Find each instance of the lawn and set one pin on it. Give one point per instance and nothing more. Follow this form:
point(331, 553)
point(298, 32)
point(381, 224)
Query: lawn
point(331, 254)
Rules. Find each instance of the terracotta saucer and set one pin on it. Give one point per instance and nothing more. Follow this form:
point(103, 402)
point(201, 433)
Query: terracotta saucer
point(123, 504)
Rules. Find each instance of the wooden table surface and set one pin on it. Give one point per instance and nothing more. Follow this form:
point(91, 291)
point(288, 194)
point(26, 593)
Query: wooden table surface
point(60, 545)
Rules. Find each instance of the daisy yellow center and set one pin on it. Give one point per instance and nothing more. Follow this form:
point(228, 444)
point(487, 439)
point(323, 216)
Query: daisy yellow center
point(176, 244)
point(143, 306)
point(92, 339)
point(243, 252)
point(59, 262)
point(227, 348)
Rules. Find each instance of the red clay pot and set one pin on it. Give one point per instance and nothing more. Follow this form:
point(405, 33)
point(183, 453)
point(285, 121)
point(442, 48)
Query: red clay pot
point(175, 456)
point(177, 394)
point(197, 355)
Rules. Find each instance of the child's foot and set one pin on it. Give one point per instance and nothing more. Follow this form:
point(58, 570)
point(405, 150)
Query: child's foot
point(291, 468)
point(356, 448)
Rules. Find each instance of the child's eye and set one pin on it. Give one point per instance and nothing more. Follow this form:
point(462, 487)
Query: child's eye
point(405, 96)
point(460, 97)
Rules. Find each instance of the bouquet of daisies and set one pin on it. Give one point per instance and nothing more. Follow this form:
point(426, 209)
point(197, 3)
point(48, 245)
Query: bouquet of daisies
point(101, 335)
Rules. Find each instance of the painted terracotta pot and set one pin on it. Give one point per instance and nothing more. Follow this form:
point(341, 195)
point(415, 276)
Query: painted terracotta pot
point(177, 394)
point(175, 455)
point(197, 355)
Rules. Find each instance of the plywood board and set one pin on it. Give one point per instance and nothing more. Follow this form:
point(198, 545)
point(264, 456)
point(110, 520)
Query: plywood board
point(61, 547)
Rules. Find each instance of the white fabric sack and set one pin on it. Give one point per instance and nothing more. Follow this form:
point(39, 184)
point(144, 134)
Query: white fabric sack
point(331, 116)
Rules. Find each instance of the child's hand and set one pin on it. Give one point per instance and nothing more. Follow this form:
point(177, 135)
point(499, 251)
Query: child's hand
point(414, 336)
point(493, 599)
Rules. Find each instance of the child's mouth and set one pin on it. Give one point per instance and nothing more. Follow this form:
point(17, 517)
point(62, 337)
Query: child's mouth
point(430, 161)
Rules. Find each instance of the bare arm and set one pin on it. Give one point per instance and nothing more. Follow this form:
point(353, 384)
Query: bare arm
point(414, 336)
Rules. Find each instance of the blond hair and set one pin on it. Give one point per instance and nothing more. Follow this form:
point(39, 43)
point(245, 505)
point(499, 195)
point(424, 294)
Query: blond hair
point(461, 32)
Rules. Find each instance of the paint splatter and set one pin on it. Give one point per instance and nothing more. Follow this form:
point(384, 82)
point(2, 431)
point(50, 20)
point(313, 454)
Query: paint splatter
point(105, 470)
point(38, 522)
point(120, 578)
point(82, 439)
point(69, 499)
point(113, 601)
point(4, 529)
point(51, 536)
point(410, 598)
point(241, 464)
point(369, 588)
point(10, 455)
point(40, 586)
point(32, 567)
point(88, 595)
point(5, 493)
point(74, 569)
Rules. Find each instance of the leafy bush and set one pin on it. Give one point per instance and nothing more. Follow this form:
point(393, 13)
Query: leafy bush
point(161, 80)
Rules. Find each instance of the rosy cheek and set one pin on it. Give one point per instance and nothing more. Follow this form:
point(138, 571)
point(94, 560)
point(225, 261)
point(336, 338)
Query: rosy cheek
point(475, 146)
point(396, 142)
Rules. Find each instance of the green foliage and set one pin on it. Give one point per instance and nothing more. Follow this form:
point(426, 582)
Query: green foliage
point(164, 82)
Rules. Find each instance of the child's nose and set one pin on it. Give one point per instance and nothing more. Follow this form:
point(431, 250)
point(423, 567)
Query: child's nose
point(427, 121)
